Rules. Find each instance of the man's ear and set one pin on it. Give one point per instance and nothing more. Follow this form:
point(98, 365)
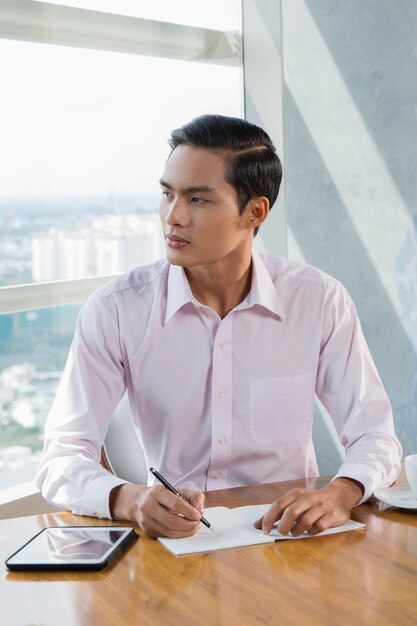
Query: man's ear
point(257, 211)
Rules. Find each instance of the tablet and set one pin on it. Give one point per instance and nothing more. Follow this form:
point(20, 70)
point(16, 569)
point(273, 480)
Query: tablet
point(72, 548)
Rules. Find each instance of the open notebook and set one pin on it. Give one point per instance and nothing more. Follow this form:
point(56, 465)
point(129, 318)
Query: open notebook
point(235, 529)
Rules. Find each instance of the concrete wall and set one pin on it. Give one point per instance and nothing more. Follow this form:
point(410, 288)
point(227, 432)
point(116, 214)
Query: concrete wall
point(350, 125)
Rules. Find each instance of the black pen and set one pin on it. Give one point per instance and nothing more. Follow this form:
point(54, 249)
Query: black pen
point(168, 485)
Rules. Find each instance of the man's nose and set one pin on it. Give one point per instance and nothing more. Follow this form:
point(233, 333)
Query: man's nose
point(177, 214)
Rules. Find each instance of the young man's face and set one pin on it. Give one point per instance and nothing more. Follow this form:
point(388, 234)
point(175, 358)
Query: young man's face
point(199, 209)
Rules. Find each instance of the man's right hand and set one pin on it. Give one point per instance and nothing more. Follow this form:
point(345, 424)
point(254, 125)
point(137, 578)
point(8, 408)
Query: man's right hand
point(157, 511)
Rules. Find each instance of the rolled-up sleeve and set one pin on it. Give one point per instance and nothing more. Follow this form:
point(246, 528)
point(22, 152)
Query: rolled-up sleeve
point(91, 386)
point(349, 387)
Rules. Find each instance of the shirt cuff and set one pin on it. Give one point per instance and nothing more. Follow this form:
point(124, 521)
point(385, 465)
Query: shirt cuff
point(367, 477)
point(95, 502)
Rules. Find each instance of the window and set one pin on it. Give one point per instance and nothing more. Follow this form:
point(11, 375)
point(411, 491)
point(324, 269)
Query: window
point(84, 138)
point(85, 114)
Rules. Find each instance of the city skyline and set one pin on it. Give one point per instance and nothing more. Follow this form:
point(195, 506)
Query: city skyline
point(109, 244)
point(34, 344)
point(77, 219)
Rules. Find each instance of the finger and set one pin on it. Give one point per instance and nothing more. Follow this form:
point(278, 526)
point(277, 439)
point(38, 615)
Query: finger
point(177, 505)
point(275, 511)
point(157, 516)
point(154, 510)
point(162, 528)
point(323, 523)
point(195, 498)
point(306, 521)
point(328, 520)
point(291, 515)
point(176, 521)
point(259, 522)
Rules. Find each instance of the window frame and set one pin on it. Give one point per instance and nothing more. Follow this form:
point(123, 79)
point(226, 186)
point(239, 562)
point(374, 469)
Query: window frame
point(262, 97)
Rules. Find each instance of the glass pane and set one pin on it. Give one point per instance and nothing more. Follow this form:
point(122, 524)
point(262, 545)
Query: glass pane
point(33, 351)
point(83, 142)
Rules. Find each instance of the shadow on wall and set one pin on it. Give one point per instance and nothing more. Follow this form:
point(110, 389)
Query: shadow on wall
point(320, 223)
point(374, 46)
point(385, 92)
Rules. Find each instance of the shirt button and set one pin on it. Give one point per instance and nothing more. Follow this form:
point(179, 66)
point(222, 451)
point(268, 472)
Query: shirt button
point(221, 345)
point(209, 312)
point(221, 441)
point(220, 393)
point(217, 475)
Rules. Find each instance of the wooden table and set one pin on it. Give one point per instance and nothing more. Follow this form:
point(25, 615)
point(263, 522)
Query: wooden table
point(366, 577)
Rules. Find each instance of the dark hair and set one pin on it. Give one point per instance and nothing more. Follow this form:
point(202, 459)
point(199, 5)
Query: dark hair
point(252, 165)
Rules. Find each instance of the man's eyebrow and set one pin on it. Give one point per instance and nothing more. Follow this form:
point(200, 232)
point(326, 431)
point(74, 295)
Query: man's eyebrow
point(194, 189)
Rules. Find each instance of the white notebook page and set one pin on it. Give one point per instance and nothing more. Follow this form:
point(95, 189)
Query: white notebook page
point(235, 529)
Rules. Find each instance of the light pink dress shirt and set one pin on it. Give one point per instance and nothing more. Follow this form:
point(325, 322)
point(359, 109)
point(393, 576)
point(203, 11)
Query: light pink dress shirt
point(217, 402)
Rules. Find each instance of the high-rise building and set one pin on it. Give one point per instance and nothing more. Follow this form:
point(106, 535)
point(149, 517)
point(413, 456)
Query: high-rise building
point(112, 244)
point(46, 256)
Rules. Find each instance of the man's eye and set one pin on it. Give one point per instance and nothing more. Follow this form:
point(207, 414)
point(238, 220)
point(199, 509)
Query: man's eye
point(166, 193)
point(198, 200)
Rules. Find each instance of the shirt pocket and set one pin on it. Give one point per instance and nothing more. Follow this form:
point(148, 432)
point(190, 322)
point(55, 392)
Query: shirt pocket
point(280, 410)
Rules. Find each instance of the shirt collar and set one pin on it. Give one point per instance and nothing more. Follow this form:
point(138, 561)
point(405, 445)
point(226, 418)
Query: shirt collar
point(263, 291)
point(178, 291)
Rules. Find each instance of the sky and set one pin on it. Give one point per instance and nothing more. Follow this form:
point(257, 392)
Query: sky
point(87, 122)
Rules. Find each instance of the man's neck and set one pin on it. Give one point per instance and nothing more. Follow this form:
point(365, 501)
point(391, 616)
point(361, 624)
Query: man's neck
point(221, 287)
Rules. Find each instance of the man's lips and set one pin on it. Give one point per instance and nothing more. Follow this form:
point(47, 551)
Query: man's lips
point(175, 242)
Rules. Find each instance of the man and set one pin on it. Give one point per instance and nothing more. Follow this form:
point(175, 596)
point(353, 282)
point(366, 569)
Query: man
point(221, 351)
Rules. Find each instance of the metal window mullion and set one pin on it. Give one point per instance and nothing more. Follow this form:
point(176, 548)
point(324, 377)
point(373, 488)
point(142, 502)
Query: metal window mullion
point(263, 98)
point(61, 25)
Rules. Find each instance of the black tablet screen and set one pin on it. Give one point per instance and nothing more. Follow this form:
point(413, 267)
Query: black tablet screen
point(69, 544)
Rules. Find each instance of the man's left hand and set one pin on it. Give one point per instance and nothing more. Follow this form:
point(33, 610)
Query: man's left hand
point(312, 510)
